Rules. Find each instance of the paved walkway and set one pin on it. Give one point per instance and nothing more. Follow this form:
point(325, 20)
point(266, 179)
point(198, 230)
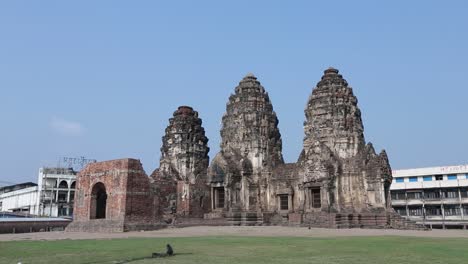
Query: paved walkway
point(198, 231)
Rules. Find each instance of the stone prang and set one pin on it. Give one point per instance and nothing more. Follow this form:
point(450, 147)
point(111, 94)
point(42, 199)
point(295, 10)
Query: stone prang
point(183, 165)
point(333, 118)
point(250, 146)
point(335, 155)
point(184, 153)
point(250, 126)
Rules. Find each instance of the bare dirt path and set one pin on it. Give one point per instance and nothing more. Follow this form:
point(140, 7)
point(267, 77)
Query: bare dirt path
point(200, 231)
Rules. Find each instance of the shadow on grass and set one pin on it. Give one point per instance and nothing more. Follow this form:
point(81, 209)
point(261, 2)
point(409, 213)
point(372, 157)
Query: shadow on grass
point(140, 258)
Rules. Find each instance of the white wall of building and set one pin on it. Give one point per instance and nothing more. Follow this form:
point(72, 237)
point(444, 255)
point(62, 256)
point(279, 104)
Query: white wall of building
point(23, 200)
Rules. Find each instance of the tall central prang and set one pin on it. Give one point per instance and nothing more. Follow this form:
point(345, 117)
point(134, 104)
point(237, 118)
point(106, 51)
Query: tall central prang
point(250, 148)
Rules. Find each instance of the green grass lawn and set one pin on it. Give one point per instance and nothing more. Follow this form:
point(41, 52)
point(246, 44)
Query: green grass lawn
point(269, 250)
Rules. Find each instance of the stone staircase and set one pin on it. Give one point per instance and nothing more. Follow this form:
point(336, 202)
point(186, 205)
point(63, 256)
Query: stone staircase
point(238, 218)
point(384, 220)
point(399, 222)
point(365, 220)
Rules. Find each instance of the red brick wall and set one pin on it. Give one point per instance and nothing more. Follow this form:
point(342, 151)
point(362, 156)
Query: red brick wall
point(127, 186)
point(139, 206)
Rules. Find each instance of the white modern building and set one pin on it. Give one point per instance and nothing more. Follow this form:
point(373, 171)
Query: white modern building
point(19, 198)
point(53, 196)
point(436, 197)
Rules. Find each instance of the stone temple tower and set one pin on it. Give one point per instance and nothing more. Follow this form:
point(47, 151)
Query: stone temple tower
point(184, 161)
point(184, 153)
point(336, 163)
point(250, 148)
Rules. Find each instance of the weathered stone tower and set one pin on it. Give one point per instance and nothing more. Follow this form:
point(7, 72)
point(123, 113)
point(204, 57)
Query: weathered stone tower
point(184, 153)
point(250, 148)
point(336, 165)
point(184, 162)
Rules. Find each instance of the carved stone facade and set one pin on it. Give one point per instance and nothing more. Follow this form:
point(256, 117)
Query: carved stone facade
point(250, 149)
point(336, 158)
point(184, 162)
point(338, 180)
point(337, 172)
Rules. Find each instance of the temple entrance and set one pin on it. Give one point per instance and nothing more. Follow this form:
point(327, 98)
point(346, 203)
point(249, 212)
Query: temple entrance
point(218, 201)
point(315, 197)
point(98, 201)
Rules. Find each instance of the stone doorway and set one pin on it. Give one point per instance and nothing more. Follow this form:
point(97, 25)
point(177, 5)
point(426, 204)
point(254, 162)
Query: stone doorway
point(219, 198)
point(98, 201)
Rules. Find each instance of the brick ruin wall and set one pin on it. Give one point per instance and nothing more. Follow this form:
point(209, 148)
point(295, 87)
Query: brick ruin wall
point(129, 204)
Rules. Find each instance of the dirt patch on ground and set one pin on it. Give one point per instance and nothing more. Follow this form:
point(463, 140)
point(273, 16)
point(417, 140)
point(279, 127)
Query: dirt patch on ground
point(200, 231)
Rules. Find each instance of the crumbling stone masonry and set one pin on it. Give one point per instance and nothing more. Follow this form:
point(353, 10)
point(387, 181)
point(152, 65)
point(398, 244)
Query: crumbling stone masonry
point(113, 196)
point(250, 148)
point(183, 165)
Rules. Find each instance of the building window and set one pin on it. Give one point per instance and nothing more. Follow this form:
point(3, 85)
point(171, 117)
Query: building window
point(439, 177)
point(400, 180)
point(415, 211)
point(466, 175)
point(72, 196)
point(400, 210)
point(450, 210)
point(413, 179)
point(433, 210)
point(62, 211)
point(452, 177)
point(62, 196)
point(427, 178)
point(284, 201)
point(316, 201)
point(464, 192)
point(1, 206)
point(398, 195)
point(414, 195)
point(450, 193)
point(465, 209)
point(432, 194)
point(63, 185)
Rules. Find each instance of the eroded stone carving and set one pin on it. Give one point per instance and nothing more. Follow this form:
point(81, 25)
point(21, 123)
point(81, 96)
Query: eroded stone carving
point(250, 147)
point(184, 162)
point(337, 172)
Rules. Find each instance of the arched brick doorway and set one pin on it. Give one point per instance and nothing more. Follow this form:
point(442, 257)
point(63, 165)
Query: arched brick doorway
point(98, 201)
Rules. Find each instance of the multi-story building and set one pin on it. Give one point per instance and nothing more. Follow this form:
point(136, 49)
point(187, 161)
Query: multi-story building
point(56, 188)
point(436, 197)
point(52, 196)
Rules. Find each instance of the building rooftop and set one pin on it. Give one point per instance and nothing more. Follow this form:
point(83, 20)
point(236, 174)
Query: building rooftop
point(431, 171)
point(63, 171)
point(16, 187)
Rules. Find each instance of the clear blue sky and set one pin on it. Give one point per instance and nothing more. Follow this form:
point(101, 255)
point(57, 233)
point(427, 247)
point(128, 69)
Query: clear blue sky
point(101, 78)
